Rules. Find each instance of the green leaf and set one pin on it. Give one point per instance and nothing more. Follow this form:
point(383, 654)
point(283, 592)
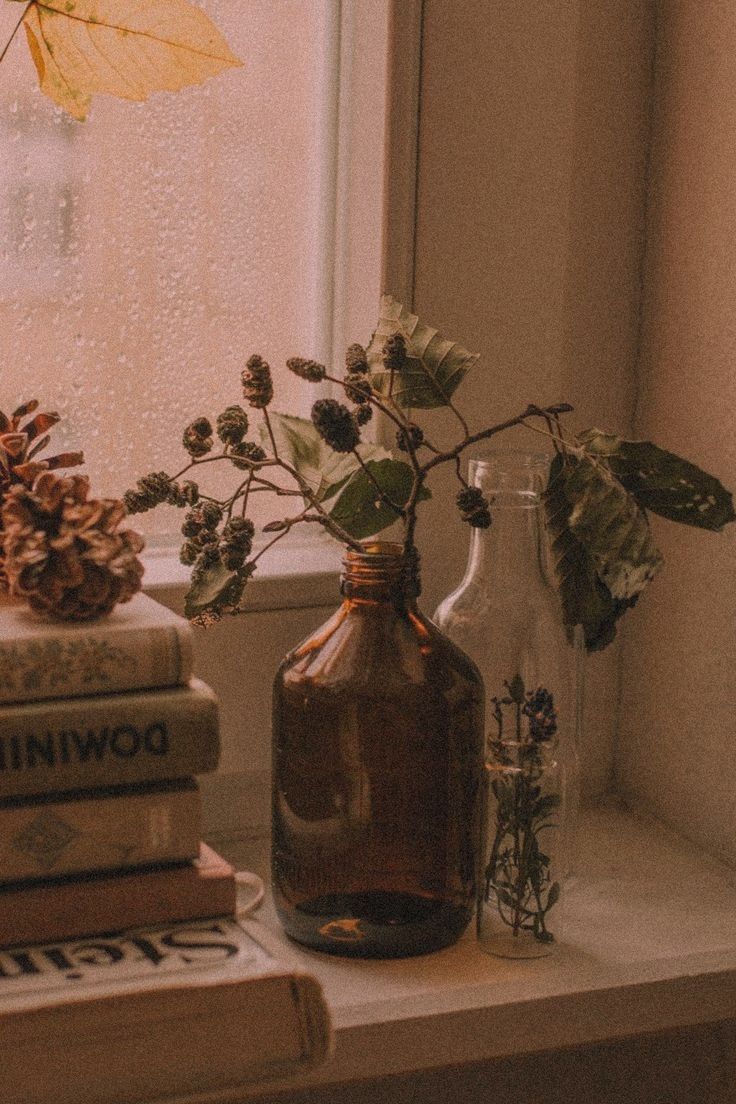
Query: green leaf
point(663, 482)
point(361, 511)
point(213, 586)
point(435, 369)
point(586, 600)
point(326, 472)
point(613, 528)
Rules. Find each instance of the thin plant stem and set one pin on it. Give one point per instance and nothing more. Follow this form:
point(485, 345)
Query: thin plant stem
point(492, 431)
point(459, 472)
point(246, 493)
point(372, 399)
point(6, 47)
point(289, 524)
point(269, 428)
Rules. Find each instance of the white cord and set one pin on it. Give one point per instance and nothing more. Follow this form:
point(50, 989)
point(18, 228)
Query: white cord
point(255, 884)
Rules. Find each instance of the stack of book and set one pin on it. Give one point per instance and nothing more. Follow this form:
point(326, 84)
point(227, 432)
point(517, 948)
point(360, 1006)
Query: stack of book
point(102, 730)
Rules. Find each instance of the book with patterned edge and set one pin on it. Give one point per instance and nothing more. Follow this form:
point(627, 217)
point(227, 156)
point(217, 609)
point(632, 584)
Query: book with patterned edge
point(93, 830)
point(141, 645)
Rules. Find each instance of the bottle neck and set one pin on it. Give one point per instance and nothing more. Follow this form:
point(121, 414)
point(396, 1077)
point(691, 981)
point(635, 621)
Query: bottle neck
point(512, 550)
point(382, 573)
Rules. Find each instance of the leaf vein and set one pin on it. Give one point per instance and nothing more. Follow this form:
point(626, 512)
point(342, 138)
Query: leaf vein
point(41, 6)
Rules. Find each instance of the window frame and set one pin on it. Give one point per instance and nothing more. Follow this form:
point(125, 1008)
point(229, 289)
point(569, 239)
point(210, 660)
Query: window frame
point(352, 278)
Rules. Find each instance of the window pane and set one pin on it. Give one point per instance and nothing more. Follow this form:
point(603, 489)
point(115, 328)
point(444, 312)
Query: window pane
point(146, 253)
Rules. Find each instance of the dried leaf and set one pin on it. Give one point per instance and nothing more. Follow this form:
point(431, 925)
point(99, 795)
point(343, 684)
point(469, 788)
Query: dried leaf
point(663, 482)
point(214, 585)
point(435, 369)
point(613, 528)
point(126, 48)
point(586, 600)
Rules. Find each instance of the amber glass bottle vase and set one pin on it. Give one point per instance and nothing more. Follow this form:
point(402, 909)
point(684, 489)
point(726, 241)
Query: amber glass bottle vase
point(377, 768)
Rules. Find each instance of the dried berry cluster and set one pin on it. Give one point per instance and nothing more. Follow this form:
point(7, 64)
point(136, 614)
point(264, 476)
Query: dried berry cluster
point(539, 707)
point(205, 541)
point(474, 507)
point(257, 382)
point(336, 425)
point(158, 487)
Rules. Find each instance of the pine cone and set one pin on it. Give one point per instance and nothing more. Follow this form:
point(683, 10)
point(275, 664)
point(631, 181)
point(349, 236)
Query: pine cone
point(20, 444)
point(63, 551)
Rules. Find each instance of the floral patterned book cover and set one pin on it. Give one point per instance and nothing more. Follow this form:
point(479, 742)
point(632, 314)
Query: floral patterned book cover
point(141, 645)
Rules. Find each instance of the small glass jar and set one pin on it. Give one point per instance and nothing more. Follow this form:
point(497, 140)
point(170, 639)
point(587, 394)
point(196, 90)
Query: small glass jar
point(519, 908)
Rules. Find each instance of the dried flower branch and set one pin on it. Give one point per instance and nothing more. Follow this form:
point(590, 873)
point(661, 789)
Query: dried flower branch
point(599, 490)
point(518, 877)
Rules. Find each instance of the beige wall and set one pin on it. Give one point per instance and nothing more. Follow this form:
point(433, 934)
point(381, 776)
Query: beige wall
point(532, 152)
point(678, 718)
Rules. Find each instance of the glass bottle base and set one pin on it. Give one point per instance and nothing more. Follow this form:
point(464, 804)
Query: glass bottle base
point(375, 924)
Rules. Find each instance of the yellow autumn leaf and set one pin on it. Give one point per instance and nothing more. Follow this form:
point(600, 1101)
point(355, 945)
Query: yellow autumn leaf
point(127, 48)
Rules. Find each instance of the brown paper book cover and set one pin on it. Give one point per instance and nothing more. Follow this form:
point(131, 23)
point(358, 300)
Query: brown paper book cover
point(108, 740)
point(141, 645)
point(90, 831)
point(190, 1009)
point(89, 905)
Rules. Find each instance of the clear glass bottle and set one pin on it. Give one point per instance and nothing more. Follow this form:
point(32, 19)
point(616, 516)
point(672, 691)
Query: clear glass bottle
point(378, 748)
point(506, 616)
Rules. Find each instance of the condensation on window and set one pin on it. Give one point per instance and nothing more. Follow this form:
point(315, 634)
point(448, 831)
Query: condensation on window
point(146, 253)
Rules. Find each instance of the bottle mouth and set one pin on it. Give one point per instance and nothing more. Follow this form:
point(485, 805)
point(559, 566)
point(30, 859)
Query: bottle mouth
point(511, 477)
point(380, 564)
point(375, 551)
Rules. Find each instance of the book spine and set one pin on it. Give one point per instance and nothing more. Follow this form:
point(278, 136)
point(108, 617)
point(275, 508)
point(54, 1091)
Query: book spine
point(101, 661)
point(112, 832)
point(50, 911)
point(112, 740)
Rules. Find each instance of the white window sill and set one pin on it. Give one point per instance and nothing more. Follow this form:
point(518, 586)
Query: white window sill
point(296, 574)
point(650, 945)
